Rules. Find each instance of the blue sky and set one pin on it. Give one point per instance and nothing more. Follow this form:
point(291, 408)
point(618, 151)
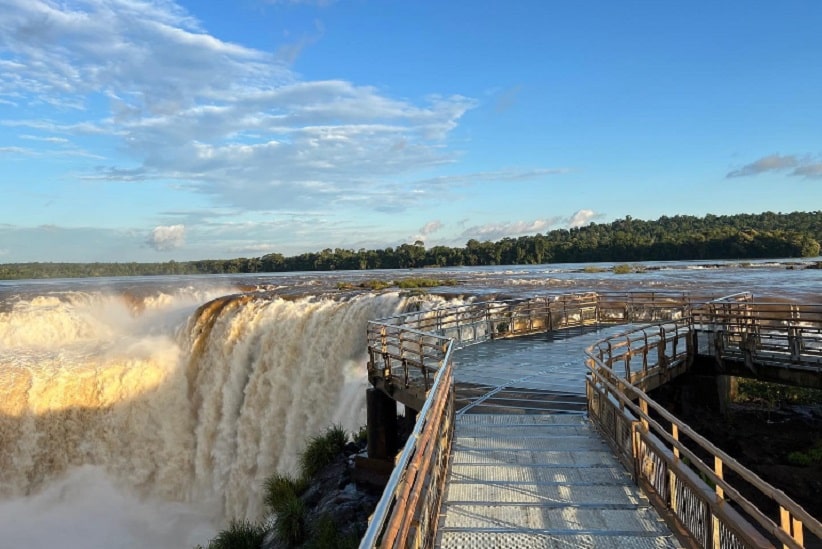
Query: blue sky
point(140, 130)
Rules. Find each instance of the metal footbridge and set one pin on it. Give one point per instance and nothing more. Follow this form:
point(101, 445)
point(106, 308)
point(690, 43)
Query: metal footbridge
point(543, 435)
point(527, 469)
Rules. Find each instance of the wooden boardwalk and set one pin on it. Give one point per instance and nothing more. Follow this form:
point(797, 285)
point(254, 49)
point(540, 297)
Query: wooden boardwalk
point(527, 468)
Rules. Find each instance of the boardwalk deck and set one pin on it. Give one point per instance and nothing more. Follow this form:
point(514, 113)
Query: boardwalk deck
point(529, 470)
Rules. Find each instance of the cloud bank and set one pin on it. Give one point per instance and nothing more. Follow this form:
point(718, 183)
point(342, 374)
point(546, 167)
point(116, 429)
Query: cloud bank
point(167, 238)
point(218, 118)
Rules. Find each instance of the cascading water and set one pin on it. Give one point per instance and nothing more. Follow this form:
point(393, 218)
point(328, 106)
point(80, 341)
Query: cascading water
point(126, 422)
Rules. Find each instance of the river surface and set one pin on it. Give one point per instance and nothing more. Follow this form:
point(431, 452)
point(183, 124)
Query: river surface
point(148, 411)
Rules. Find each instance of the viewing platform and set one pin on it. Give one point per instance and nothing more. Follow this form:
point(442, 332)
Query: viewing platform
point(528, 469)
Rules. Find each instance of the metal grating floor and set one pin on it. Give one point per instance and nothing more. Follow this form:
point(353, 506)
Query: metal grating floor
point(514, 491)
point(527, 469)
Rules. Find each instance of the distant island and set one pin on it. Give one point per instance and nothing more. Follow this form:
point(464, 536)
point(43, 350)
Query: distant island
point(681, 237)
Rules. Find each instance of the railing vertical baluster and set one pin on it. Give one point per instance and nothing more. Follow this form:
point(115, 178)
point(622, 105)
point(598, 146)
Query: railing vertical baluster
point(672, 500)
point(785, 522)
point(798, 534)
point(720, 499)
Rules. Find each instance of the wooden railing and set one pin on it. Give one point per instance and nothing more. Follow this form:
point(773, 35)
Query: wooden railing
point(405, 351)
point(410, 359)
point(407, 513)
point(781, 334)
point(697, 484)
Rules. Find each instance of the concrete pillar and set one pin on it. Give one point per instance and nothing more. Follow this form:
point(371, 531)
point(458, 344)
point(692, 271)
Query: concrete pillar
point(410, 415)
point(726, 387)
point(382, 424)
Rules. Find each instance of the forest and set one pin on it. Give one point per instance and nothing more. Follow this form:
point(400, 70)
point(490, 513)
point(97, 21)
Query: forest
point(681, 237)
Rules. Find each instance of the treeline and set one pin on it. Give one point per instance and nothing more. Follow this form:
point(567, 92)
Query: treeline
point(743, 236)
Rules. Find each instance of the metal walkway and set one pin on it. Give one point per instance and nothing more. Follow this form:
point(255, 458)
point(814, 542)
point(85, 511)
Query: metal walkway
point(527, 468)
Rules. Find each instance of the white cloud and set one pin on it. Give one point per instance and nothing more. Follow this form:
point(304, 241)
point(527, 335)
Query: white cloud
point(15, 151)
point(431, 227)
point(496, 231)
point(221, 119)
point(582, 218)
point(166, 238)
point(57, 140)
point(490, 177)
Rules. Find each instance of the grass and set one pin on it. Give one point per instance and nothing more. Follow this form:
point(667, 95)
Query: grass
point(405, 284)
point(812, 456)
point(241, 534)
point(327, 534)
point(622, 268)
point(408, 283)
point(753, 391)
point(280, 489)
point(593, 269)
point(361, 436)
point(321, 451)
point(291, 525)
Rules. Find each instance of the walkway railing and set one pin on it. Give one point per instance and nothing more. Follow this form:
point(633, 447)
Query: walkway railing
point(410, 359)
point(407, 513)
point(684, 473)
point(781, 334)
point(405, 351)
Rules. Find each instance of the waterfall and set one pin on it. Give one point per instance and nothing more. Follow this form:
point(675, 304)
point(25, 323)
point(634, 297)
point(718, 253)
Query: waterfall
point(165, 415)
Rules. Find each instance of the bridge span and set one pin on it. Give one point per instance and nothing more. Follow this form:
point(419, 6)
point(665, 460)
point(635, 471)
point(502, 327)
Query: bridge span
point(550, 440)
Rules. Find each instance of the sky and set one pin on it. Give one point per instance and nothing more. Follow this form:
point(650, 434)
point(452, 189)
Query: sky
point(154, 130)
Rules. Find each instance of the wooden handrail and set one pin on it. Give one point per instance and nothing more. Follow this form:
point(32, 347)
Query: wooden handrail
point(601, 359)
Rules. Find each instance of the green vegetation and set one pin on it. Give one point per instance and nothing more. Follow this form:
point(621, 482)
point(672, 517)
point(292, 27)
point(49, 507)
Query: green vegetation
point(240, 534)
point(321, 451)
point(623, 268)
point(812, 456)
point(325, 534)
point(406, 283)
point(361, 436)
point(291, 527)
point(409, 283)
point(753, 391)
point(280, 489)
point(681, 237)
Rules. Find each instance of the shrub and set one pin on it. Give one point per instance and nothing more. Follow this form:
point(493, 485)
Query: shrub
point(799, 458)
point(375, 284)
point(361, 436)
point(593, 269)
point(280, 489)
point(325, 533)
point(241, 534)
point(291, 522)
point(322, 450)
point(623, 268)
point(810, 457)
point(409, 283)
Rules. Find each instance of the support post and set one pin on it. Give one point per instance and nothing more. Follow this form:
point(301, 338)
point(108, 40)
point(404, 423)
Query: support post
point(382, 424)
